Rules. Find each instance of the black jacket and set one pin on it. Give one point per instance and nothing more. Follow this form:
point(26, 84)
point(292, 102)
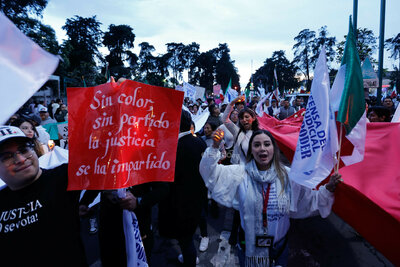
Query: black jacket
point(179, 213)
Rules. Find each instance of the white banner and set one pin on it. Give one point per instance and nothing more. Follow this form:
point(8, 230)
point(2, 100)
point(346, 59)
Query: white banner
point(25, 67)
point(135, 254)
point(314, 158)
point(200, 119)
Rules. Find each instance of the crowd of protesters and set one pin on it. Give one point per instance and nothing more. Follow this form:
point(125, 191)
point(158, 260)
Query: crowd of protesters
point(229, 160)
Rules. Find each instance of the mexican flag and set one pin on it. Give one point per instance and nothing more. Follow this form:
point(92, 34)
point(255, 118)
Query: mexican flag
point(348, 100)
point(229, 86)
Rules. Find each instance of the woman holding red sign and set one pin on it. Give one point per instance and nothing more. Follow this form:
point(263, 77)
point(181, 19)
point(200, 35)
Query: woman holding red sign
point(265, 197)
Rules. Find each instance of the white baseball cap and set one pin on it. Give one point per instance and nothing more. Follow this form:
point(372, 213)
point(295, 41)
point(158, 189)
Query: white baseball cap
point(43, 109)
point(7, 132)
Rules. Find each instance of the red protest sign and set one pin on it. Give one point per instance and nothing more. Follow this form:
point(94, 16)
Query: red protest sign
point(122, 135)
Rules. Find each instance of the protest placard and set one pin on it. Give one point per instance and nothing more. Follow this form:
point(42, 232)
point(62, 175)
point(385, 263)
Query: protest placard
point(122, 135)
point(63, 130)
point(190, 91)
point(200, 92)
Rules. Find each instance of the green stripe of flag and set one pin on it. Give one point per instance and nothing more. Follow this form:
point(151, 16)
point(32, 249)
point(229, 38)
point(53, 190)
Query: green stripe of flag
point(352, 103)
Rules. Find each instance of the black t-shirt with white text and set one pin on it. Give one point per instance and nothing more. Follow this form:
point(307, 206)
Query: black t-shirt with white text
point(39, 224)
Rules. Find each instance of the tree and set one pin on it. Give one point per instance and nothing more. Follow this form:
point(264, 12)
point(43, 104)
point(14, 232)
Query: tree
point(81, 48)
point(161, 64)
point(225, 69)
point(43, 35)
point(393, 46)
point(147, 60)
point(204, 69)
point(22, 8)
point(286, 71)
point(303, 52)
point(191, 53)
point(319, 42)
point(176, 60)
point(366, 45)
point(84, 35)
point(119, 39)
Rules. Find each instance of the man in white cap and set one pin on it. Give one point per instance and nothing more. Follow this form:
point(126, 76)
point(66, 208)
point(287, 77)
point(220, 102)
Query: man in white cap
point(45, 116)
point(39, 221)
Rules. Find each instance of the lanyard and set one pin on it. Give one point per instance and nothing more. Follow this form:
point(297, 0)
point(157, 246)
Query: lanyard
point(265, 204)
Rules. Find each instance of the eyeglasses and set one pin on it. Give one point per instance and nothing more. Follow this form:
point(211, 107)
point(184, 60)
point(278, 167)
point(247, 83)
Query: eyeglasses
point(10, 158)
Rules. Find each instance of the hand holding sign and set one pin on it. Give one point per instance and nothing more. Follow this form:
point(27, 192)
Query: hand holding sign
point(122, 135)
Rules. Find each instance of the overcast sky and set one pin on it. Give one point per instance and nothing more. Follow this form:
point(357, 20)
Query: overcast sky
point(253, 29)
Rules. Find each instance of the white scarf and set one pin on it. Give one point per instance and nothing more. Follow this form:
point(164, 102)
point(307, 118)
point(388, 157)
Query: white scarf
point(253, 205)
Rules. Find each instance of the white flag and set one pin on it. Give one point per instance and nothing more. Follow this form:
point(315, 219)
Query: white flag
point(135, 254)
point(396, 116)
point(231, 94)
point(259, 108)
point(200, 120)
point(25, 67)
point(314, 159)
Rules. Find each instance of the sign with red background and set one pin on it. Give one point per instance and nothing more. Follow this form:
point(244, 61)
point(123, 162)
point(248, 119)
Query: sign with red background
point(122, 135)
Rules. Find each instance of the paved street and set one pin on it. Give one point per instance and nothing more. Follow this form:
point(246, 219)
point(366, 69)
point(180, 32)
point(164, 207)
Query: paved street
point(313, 242)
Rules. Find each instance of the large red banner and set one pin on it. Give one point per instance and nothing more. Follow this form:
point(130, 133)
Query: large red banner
point(122, 135)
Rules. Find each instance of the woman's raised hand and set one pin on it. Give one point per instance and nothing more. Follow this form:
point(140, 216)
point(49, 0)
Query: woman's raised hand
point(240, 98)
point(217, 137)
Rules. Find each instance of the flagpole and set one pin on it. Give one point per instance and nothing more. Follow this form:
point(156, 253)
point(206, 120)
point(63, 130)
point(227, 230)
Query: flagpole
point(381, 48)
point(355, 12)
point(340, 147)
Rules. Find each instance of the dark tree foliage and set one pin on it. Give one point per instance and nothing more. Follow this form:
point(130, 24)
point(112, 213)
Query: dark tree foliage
point(366, 45)
point(147, 62)
point(204, 69)
point(327, 42)
point(176, 60)
point(191, 53)
point(285, 71)
point(393, 46)
point(22, 8)
point(161, 63)
point(84, 35)
point(225, 69)
point(119, 39)
point(81, 48)
point(41, 34)
point(303, 52)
